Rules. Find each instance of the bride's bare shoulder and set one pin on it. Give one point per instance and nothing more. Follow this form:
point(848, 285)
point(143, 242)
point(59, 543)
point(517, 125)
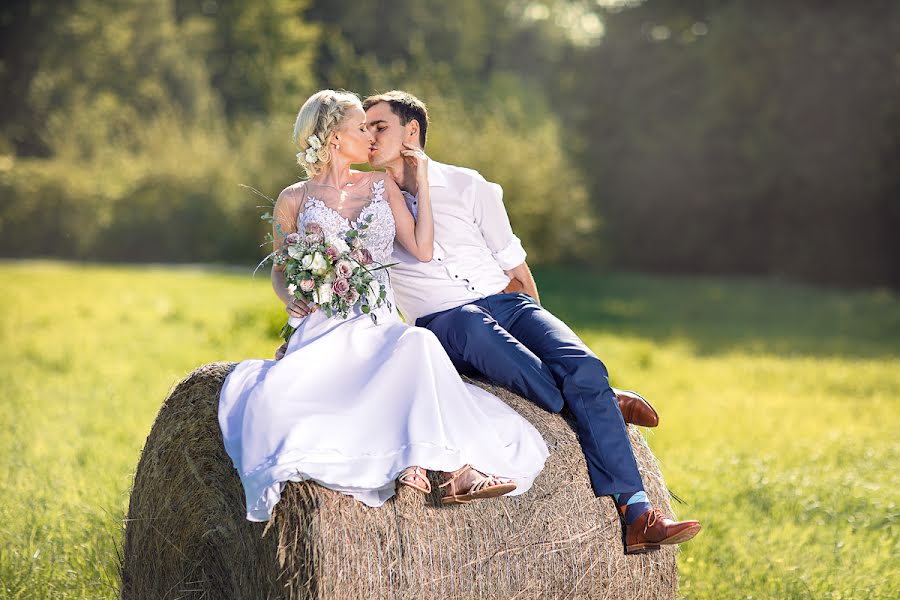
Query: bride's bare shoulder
point(289, 200)
point(292, 192)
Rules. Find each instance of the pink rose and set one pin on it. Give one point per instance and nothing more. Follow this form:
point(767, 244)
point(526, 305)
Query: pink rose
point(343, 268)
point(357, 255)
point(367, 256)
point(314, 233)
point(352, 296)
point(292, 238)
point(340, 286)
point(307, 285)
point(332, 252)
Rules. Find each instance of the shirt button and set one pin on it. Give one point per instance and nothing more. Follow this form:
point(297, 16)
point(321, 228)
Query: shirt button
point(440, 259)
point(456, 277)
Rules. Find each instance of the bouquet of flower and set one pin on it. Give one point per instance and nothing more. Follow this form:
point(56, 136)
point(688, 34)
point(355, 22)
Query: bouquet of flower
point(335, 273)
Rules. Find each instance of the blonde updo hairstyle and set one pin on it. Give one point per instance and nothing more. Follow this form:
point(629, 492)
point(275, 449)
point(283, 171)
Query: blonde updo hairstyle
point(320, 116)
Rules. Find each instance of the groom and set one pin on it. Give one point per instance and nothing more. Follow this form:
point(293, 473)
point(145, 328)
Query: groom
point(461, 296)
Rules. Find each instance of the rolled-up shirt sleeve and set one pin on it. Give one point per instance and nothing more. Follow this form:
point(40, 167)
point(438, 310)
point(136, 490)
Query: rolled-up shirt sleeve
point(491, 218)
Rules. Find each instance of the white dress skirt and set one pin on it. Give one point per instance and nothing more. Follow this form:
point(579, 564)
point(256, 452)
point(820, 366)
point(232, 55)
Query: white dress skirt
point(353, 403)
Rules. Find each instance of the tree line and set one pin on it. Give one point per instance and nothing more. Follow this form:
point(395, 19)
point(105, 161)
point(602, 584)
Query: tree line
point(684, 136)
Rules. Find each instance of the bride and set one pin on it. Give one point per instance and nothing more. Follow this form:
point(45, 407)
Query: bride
point(359, 403)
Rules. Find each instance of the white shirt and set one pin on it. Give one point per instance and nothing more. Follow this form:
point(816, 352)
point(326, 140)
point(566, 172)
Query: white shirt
point(473, 245)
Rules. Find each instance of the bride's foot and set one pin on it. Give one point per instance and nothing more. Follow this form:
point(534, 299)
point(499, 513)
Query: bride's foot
point(467, 484)
point(416, 478)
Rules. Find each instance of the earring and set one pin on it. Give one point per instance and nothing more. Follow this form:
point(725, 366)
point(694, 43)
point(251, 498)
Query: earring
point(337, 146)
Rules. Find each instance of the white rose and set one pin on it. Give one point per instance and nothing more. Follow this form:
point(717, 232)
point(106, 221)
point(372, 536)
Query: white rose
point(311, 156)
point(314, 142)
point(322, 295)
point(339, 244)
point(306, 261)
point(318, 266)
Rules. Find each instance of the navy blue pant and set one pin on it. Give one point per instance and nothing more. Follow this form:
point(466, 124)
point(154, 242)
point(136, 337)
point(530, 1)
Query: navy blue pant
point(516, 343)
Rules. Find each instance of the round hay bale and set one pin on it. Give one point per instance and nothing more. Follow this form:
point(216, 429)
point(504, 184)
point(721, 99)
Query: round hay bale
point(186, 535)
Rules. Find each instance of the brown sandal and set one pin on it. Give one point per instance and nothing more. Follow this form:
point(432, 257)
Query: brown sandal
point(484, 486)
point(408, 478)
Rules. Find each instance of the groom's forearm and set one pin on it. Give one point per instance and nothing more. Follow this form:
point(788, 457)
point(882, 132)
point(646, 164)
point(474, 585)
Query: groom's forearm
point(521, 280)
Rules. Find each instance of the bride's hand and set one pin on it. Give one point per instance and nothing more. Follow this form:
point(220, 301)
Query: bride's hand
point(298, 308)
point(418, 160)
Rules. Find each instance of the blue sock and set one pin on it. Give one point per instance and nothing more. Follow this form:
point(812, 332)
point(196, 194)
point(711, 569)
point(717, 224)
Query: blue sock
point(632, 505)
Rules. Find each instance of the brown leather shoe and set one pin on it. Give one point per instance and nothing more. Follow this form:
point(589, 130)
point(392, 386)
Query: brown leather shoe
point(653, 529)
point(635, 409)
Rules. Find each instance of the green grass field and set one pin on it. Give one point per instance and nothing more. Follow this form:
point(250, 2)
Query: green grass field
point(779, 414)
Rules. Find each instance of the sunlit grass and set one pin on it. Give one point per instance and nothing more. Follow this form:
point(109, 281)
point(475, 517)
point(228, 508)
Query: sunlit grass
point(779, 407)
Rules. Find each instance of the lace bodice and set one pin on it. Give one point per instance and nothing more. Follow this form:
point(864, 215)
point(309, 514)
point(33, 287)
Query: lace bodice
point(377, 238)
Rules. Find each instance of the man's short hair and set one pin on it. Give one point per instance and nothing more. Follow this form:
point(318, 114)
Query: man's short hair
point(404, 105)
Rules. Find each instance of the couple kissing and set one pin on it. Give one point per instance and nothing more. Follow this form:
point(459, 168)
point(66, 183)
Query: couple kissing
point(362, 398)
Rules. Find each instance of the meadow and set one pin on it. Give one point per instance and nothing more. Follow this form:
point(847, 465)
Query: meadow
point(779, 412)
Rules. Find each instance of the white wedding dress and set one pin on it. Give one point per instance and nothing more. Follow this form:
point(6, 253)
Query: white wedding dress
point(354, 402)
